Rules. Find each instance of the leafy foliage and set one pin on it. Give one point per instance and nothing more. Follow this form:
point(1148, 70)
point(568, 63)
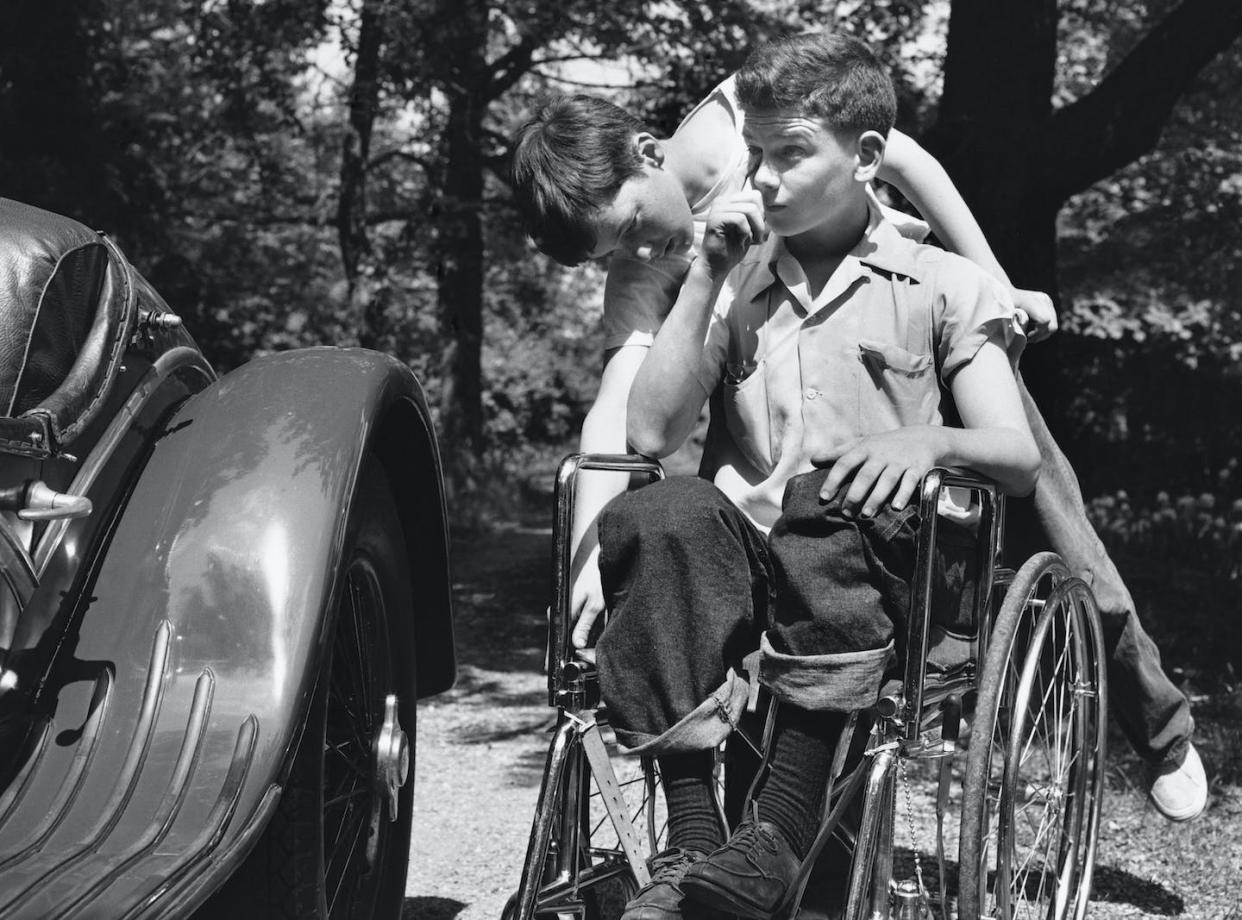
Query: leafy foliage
point(209, 136)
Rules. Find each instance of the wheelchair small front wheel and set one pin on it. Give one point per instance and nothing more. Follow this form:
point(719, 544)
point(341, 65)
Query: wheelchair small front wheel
point(1034, 774)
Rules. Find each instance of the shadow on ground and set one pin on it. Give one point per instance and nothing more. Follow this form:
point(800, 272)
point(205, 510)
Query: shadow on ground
point(501, 591)
point(1117, 886)
point(430, 909)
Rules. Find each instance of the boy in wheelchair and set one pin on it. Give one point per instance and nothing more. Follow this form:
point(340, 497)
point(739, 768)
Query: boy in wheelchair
point(835, 340)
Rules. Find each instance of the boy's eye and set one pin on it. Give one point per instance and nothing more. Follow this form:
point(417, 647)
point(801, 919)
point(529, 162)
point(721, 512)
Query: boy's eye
point(791, 152)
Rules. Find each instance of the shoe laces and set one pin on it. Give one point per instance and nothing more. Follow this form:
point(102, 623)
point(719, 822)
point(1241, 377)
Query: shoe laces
point(670, 866)
point(749, 834)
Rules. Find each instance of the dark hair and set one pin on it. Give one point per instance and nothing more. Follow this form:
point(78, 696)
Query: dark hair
point(569, 161)
point(823, 74)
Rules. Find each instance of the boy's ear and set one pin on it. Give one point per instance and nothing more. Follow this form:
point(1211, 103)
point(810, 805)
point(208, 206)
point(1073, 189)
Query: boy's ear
point(870, 155)
point(649, 148)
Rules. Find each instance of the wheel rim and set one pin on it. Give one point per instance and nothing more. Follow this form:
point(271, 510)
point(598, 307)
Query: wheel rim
point(1039, 805)
point(361, 740)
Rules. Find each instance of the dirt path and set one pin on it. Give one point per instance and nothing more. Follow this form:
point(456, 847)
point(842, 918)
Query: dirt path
point(481, 746)
point(481, 749)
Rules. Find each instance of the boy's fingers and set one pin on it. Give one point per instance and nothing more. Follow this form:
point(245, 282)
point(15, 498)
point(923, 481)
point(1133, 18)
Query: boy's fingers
point(736, 226)
point(864, 481)
point(885, 483)
point(582, 629)
point(758, 226)
point(841, 470)
point(909, 483)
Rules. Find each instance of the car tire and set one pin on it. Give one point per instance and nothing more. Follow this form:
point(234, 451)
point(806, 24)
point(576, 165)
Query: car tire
point(330, 849)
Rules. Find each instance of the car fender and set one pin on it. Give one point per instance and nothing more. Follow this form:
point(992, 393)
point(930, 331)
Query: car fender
point(205, 623)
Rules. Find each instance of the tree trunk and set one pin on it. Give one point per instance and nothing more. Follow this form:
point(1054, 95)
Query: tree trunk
point(351, 212)
point(460, 266)
point(1017, 161)
point(993, 116)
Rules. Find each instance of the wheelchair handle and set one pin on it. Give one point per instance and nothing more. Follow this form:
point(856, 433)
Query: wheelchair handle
point(560, 652)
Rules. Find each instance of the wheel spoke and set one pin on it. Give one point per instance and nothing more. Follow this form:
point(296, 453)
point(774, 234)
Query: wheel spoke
point(357, 684)
point(358, 826)
point(346, 797)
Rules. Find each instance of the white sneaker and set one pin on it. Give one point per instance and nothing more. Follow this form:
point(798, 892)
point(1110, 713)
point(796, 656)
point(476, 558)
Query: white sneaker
point(1180, 793)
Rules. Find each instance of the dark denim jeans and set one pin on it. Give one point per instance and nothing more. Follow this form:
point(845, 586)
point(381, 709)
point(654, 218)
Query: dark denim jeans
point(691, 585)
point(688, 581)
point(1152, 712)
point(681, 546)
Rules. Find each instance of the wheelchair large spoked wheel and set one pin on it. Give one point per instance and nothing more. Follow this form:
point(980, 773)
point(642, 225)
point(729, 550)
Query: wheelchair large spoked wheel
point(1034, 775)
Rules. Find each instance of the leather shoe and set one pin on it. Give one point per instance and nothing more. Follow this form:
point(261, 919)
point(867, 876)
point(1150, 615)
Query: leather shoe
point(661, 898)
point(748, 876)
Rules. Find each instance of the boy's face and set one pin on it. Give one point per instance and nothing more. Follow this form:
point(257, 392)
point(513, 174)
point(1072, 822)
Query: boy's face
point(649, 218)
point(809, 174)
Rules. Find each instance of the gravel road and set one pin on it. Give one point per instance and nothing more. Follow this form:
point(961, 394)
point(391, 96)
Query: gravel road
point(481, 749)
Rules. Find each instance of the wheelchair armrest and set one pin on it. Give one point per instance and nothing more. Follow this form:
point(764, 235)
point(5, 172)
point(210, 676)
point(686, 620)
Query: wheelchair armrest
point(918, 621)
point(560, 650)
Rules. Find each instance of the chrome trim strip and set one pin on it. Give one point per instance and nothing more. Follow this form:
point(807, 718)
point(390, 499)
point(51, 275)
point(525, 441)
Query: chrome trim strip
point(18, 567)
point(17, 788)
point(88, 744)
point(127, 777)
point(157, 902)
point(173, 799)
point(165, 365)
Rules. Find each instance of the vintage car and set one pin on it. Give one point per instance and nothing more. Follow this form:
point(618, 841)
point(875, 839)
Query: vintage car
point(222, 597)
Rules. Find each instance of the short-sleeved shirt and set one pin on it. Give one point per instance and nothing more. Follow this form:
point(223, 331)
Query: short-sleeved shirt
point(638, 294)
point(874, 351)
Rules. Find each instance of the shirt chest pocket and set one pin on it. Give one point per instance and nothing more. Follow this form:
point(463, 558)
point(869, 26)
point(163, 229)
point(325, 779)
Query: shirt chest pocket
point(747, 417)
point(898, 384)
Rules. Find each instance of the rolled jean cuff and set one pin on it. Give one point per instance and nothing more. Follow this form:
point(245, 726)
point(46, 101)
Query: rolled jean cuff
point(703, 728)
point(843, 682)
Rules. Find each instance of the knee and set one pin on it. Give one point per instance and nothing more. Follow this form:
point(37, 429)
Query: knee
point(673, 506)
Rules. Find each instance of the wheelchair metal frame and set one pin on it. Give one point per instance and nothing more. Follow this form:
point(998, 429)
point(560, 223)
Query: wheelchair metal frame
point(559, 865)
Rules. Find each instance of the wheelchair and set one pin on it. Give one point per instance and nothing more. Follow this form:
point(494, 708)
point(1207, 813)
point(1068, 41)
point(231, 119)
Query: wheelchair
point(1026, 778)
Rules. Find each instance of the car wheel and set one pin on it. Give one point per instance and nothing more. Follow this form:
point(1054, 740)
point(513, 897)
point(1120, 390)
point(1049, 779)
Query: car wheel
point(337, 845)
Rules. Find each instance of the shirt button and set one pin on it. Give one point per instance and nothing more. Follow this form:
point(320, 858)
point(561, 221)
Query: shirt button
point(812, 393)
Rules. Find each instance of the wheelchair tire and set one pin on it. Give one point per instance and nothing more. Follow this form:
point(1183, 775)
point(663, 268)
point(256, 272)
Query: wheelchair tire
point(330, 850)
point(1034, 772)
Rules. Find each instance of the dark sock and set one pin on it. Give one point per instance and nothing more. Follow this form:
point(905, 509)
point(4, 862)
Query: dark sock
point(792, 796)
point(689, 790)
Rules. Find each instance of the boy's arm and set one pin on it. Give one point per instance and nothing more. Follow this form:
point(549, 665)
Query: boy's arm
point(667, 394)
point(637, 295)
point(923, 181)
point(668, 390)
point(996, 442)
point(603, 432)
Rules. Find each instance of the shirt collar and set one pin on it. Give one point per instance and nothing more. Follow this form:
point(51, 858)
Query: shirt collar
point(882, 247)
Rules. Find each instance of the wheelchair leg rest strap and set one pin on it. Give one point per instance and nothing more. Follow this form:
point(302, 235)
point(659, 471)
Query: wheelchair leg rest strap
point(610, 792)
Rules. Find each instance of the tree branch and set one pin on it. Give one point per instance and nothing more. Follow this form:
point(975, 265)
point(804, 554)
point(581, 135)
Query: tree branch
point(583, 84)
point(512, 65)
point(1123, 117)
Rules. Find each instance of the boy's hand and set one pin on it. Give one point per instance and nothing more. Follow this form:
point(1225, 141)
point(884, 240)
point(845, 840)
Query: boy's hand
point(883, 467)
point(1038, 315)
point(735, 221)
point(586, 597)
